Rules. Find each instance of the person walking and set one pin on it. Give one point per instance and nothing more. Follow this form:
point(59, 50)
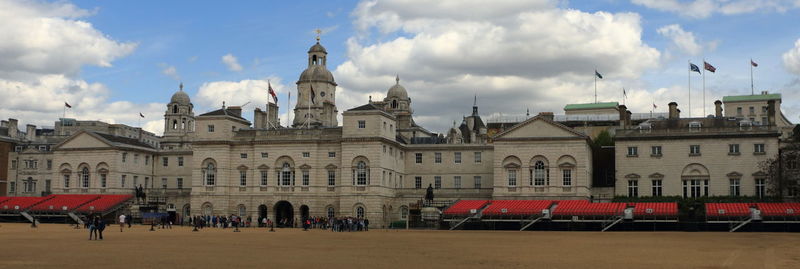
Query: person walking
point(92, 222)
point(121, 222)
point(101, 225)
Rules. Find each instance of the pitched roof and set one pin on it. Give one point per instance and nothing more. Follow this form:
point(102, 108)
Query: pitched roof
point(366, 107)
point(124, 140)
point(539, 117)
point(592, 106)
point(751, 98)
point(223, 112)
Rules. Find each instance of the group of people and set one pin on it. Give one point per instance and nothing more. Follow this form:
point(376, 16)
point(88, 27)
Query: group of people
point(348, 224)
point(96, 226)
point(232, 221)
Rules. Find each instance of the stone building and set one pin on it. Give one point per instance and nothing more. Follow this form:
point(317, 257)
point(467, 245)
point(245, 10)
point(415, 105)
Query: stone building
point(377, 162)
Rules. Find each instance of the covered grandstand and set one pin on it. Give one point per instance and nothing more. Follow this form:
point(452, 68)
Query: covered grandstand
point(59, 207)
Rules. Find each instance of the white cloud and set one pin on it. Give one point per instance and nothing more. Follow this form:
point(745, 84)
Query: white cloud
point(44, 47)
point(791, 59)
point(706, 8)
point(500, 50)
point(683, 40)
point(169, 71)
point(232, 63)
point(252, 92)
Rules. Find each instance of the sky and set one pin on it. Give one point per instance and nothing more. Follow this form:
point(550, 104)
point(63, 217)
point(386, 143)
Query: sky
point(112, 60)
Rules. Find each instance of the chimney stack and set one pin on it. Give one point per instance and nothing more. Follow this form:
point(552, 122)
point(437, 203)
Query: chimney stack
point(628, 118)
point(30, 132)
point(623, 123)
point(3, 123)
point(771, 112)
point(718, 109)
point(235, 110)
point(547, 115)
point(13, 131)
point(674, 112)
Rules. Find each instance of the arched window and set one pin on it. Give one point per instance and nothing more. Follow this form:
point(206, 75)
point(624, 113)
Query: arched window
point(85, 177)
point(539, 173)
point(314, 59)
point(286, 175)
point(30, 185)
point(403, 212)
point(360, 212)
point(242, 210)
point(361, 173)
point(210, 175)
point(174, 108)
point(174, 124)
point(208, 209)
point(183, 124)
point(331, 213)
point(394, 103)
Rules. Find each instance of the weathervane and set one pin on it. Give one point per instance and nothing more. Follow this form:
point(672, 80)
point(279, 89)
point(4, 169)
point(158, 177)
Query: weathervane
point(319, 32)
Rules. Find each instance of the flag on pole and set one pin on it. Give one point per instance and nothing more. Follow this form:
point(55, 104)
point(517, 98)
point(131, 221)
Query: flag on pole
point(694, 68)
point(67, 105)
point(598, 74)
point(271, 92)
point(754, 64)
point(312, 94)
point(624, 94)
point(141, 115)
point(655, 106)
point(709, 67)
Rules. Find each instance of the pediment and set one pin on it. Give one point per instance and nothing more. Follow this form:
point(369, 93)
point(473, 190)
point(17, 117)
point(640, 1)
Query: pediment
point(83, 140)
point(539, 127)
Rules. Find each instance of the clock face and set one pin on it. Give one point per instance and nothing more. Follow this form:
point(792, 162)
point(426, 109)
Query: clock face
point(322, 94)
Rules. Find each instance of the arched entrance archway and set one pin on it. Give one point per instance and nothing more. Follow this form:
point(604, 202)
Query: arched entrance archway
point(304, 212)
point(284, 214)
point(262, 213)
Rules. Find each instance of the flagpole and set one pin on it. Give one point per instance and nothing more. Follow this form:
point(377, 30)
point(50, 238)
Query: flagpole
point(288, 115)
point(704, 88)
point(595, 86)
point(751, 77)
point(689, 76)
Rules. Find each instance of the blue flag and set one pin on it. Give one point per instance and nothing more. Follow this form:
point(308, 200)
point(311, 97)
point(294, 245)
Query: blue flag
point(694, 68)
point(598, 74)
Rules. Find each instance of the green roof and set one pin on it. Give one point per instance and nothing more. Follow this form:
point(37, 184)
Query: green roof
point(591, 106)
point(751, 98)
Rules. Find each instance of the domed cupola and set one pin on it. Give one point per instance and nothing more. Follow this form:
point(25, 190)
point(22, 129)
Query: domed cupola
point(397, 91)
point(317, 70)
point(180, 98)
point(179, 117)
point(316, 91)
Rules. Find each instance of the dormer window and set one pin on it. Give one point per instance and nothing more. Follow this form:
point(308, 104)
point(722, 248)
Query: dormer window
point(695, 126)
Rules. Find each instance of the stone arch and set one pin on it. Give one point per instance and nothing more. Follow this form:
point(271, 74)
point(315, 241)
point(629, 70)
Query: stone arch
point(187, 210)
point(241, 210)
point(566, 161)
point(512, 161)
point(207, 209)
point(209, 172)
point(101, 167)
point(84, 175)
point(284, 159)
point(361, 171)
point(695, 170)
point(539, 171)
point(359, 210)
point(330, 211)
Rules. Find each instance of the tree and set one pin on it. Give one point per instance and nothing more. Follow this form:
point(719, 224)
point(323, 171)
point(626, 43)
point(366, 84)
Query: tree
point(782, 172)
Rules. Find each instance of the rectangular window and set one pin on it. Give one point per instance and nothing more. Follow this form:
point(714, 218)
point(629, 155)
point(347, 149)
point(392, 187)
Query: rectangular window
point(738, 111)
point(135, 158)
point(163, 182)
point(135, 181)
point(180, 161)
point(211, 128)
point(179, 183)
point(418, 182)
point(655, 150)
point(12, 187)
point(477, 157)
point(264, 175)
point(477, 182)
point(567, 176)
point(306, 154)
point(122, 181)
point(758, 148)
point(512, 177)
point(243, 155)
point(657, 188)
point(761, 190)
point(633, 151)
point(331, 178)
point(66, 181)
point(165, 161)
point(124, 157)
point(752, 110)
point(735, 187)
point(103, 180)
point(49, 164)
point(457, 182)
point(418, 157)
point(457, 157)
point(694, 188)
point(633, 188)
point(437, 157)
point(733, 149)
point(694, 150)
point(242, 178)
point(264, 155)
point(437, 182)
point(13, 164)
point(306, 178)
point(331, 154)
point(362, 124)
point(47, 185)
